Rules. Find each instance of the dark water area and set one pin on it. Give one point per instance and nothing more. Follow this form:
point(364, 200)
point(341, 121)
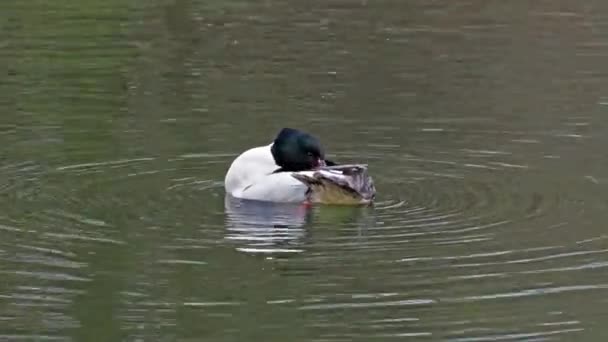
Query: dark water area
point(483, 124)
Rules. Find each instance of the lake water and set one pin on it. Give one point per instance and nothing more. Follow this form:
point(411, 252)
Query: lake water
point(484, 124)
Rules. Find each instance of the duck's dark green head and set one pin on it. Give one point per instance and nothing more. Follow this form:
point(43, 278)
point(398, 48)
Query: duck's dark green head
point(294, 150)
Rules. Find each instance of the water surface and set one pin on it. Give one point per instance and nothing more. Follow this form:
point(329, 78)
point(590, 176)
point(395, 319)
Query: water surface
point(483, 124)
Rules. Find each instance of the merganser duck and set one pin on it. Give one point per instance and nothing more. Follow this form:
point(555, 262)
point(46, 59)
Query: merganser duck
point(293, 169)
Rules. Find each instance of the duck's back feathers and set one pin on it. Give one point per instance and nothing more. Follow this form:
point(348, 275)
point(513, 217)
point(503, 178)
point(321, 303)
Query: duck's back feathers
point(345, 184)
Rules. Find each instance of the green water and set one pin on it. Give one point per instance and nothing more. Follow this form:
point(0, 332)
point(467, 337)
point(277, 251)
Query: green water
point(483, 124)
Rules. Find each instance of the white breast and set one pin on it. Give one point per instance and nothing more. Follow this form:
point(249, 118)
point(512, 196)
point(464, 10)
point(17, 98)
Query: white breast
point(251, 177)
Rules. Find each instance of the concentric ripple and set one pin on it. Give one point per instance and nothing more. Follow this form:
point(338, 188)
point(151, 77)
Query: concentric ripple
point(454, 228)
point(472, 227)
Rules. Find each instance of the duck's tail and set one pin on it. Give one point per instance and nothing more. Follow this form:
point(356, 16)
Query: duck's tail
point(342, 184)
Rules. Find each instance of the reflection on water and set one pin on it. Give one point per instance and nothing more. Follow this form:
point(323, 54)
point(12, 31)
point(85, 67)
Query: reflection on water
point(275, 228)
point(483, 125)
point(266, 227)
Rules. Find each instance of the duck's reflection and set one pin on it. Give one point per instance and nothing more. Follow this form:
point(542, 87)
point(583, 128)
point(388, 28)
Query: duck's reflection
point(263, 227)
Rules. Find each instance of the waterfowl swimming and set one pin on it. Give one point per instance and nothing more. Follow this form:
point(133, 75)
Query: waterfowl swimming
point(293, 168)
